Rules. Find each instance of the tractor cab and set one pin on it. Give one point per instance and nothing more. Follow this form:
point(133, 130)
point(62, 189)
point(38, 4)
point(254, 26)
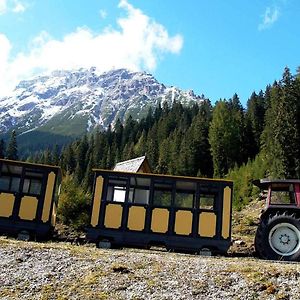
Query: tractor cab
point(278, 234)
point(280, 192)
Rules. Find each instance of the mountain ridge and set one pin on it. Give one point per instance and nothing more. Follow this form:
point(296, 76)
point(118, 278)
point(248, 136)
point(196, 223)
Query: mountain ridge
point(71, 103)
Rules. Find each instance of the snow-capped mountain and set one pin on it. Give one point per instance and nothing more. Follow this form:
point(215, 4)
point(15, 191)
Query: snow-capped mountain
point(70, 103)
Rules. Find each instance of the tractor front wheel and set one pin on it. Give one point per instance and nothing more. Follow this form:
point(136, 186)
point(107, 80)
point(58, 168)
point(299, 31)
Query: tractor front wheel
point(278, 237)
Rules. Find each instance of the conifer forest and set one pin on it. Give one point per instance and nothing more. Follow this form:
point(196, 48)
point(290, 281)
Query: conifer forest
point(224, 140)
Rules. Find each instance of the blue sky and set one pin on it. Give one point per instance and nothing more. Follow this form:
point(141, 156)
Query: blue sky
point(216, 47)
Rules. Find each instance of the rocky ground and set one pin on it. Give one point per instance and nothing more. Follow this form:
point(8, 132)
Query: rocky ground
point(30, 270)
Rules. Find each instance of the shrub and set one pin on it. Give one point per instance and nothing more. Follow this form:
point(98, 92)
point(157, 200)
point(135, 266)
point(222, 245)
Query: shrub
point(242, 177)
point(74, 204)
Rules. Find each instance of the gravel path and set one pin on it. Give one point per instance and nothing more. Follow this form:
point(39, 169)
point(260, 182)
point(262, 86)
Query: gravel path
point(63, 271)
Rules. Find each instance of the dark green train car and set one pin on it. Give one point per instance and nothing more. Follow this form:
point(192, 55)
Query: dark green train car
point(141, 210)
point(28, 198)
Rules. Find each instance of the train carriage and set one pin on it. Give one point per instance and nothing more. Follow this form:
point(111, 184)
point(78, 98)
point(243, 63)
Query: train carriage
point(141, 210)
point(28, 198)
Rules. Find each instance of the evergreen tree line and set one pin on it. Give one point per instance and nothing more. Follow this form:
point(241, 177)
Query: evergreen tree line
point(175, 140)
point(11, 151)
point(199, 140)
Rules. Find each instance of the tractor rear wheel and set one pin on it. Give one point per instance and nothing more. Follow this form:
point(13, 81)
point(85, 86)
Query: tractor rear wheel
point(278, 237)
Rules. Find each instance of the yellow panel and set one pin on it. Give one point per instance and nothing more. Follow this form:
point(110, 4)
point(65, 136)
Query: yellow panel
point(226, 213)
point(6, 204)
point(183, 222)
point(48, 197)
point(53, 215)
point(97, 201)
point(207, 224)
point(28, 208)
point(160, 220)
point(113, 216)
point(136, 218)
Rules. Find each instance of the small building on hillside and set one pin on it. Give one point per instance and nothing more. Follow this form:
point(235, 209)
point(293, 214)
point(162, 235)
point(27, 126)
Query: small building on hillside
point(136, 165)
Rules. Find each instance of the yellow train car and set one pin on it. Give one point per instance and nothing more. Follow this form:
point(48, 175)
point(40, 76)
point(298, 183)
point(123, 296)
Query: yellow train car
point(141, 210)
point(28, 198)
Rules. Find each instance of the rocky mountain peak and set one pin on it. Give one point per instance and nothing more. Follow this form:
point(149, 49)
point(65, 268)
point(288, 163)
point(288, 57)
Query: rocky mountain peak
point(73, 102)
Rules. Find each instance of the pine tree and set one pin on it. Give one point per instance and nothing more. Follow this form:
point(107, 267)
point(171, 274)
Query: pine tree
point(225, 136)
point(81, 159)
point(2, 148)
point(12, 148)
point(239, 152)
point(47, 157)
point(129, 131)
point(163, 161)
point(69, 160)
point(99, 148)
point(290, 136)
point(128, 152)
point(140, 146)
point(267, 96)
point(88, 175)
point(199, 129)
point(175, 140)
point(56, 156)
point(255, 117)
point(158, 112)
point(111, 156)
point(281, 135)
point(152, 147)
point(185, 163)
point(119, 129)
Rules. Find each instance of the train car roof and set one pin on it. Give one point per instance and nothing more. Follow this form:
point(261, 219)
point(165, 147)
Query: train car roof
point(162, 175)
point(25, 163)
point(265, 182)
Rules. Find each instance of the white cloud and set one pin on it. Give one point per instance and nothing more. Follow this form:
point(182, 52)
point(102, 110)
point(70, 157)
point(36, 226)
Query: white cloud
point(270, 16)
point(18, 7)
point(5, 48)
point(14, 6)
point(103, 14)
point(138, 44)
point(3, 7)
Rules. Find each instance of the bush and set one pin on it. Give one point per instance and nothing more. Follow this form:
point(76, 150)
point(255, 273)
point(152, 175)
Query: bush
point(243, 188)
point(74, 205)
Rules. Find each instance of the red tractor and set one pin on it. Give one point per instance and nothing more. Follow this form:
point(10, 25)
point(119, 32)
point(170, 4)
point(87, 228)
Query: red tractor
point(278, 234)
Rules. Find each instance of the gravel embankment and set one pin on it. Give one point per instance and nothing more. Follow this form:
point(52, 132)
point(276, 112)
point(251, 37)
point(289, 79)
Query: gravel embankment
point(63, 271)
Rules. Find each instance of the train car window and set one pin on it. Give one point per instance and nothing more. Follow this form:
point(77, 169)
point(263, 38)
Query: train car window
point(32, 183)
point(162, 195)
point(139, 190)
point(17, 170)
point(119, 194)
point(26, 185)
point(15, 184)
point(4, 183)
point(4, 168)
point(282, 194)
point(116, 190)
point(141, 196)
point(35, 186)
point(185, 194)
point(10, 178)
point(207, 201)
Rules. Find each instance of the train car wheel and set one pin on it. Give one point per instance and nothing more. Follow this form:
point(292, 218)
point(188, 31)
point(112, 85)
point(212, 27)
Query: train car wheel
point(104, 244)
point(23, 235)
